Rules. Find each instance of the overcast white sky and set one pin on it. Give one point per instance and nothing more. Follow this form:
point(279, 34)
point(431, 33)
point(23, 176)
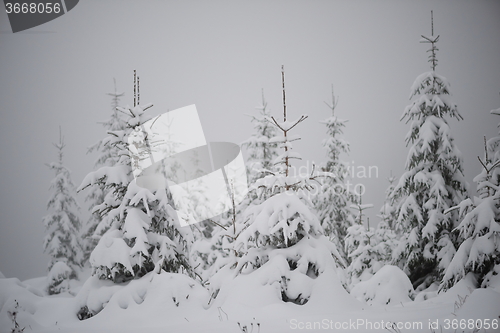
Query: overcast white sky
point(219, 55)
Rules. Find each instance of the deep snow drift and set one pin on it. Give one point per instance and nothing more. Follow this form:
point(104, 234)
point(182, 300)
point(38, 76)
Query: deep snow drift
point(175, 303)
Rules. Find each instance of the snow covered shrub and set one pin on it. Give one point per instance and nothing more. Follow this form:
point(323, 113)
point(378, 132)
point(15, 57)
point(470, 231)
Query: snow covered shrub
point(18, 304)
point(62, 226)
point(364, 254)
point(480, 224)
point(170, 293)
point(13, 316)
point(58, 278)
point(433, 181)
point(285, 229)
point(390, 285)
point(368, 250)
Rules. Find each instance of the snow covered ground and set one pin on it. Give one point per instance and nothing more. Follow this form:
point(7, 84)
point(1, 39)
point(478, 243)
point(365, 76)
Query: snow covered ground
point(175, 303)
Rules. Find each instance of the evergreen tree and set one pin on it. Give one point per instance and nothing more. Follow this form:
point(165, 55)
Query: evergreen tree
point(368, 249)
point(433, 181)
point(62, 226)
point(216, 249)
point(363, 253)
point(333, 200)
point(141, 231)
point(480, 224)
point(389, 209)
point(283, 232)
point(261, 152)
point(108, 156)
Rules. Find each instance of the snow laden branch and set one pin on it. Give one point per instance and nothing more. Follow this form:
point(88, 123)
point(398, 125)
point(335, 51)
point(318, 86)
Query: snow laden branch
point(479, 226)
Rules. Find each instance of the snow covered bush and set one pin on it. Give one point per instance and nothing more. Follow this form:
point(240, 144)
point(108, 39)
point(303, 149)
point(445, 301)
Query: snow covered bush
point(62, 240)
point(58, 278)
point(368, 250)
point(166, 292)
point(390, 285)
point(480, 224)
point(433, 181)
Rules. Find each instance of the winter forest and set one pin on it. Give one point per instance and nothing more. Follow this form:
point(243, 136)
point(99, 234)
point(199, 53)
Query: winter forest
point(300, 252)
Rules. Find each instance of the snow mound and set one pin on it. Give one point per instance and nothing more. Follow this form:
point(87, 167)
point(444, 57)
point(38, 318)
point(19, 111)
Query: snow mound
point(2, 276)
point(390, 285)
point(482, 303)
point(33, 311)
point(428, 293)
point(39, 284)
point(271, 289)
point(492, 279)
point(152, 295)
point(460, 290)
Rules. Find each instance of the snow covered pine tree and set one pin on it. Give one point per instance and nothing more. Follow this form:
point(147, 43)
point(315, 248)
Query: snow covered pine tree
point(141, 234)
point(333, 199)
point(282, 249)
point(108, 156)
point(480, 226)
point(388, 210)
point(261, 152)
point(62, 241)
point(432, 183)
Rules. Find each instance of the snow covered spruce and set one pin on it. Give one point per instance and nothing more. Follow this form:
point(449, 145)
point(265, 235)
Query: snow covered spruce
point(282, 252)
point(138, 231)
point(213, 247)
point(480, 225)
point(108, 155)
point(284, 255)
point(62, 240)
point(368, 250)
point(334, 198)
point(260, 151)
point(433, 181)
